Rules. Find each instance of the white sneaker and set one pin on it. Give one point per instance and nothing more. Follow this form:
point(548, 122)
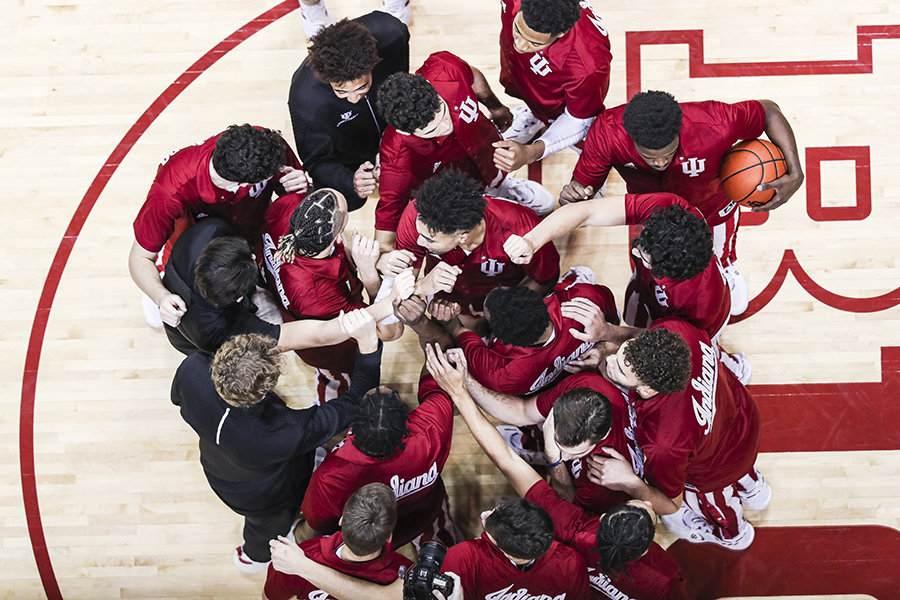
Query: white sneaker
point(247, 565)
point(529, 194)
point(524, 126)
point(579, 274)
point(397, 8)
point(151, 312)
point(690, 526)
point(315, 18)
point(513, 437)
point(740, 293)
point(739, 365)
point(755, 495)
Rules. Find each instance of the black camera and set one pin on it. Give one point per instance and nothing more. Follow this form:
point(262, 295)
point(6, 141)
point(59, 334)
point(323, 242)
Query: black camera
point(425, 576)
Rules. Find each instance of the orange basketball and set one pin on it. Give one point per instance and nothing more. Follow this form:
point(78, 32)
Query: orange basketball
point(747, 165)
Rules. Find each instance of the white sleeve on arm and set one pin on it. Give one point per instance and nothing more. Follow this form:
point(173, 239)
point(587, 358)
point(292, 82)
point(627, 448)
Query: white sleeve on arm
point(563, 132)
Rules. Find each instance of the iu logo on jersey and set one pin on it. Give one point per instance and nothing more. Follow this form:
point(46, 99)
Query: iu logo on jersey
point(257, 188)
point(492, 267)
point(468, 110)
point(693, 166)
point(539, 64)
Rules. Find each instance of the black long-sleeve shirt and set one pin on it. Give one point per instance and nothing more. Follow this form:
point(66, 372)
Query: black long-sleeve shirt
point(260, 458)
point(334, 136)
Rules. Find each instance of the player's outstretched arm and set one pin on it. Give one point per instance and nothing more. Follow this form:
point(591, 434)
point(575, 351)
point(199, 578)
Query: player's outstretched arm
point(500, 113)
point(451, 373)
point(287, 557)
point(142, 266)
point(600, 212)
point(779, 131)
point(514, 410)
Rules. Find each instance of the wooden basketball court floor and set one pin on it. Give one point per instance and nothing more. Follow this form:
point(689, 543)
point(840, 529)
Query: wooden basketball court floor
point(101, 492)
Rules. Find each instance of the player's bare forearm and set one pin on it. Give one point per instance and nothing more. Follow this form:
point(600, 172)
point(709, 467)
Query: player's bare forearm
point(386, 241)
point(561, 481)
point(142, 267)
point(514, 410)
point(779, 130)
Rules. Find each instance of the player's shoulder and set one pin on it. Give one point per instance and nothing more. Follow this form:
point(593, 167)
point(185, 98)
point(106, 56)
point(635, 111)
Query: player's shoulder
point(588, 41)
point(384, 27)
point(443, 66)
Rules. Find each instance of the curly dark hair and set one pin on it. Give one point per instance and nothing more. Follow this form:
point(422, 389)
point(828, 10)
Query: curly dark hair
point(652, 119)
point(581, 415)
point(624, 534)
point(313, 226)
point(225, 271)
point(660, 359)
point(407, 101)
point(245, 154)
point(679, 243)
point(343, 52)
point(518, 315)
point(380, 425)
point(449, 202)
point(520, 528)
point(551, 17)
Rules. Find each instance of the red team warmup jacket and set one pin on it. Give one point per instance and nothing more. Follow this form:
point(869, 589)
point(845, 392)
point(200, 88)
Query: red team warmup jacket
point(407, 160)
point(703, 301)
point(521, 371)
point(572, 73)
point(592, 497)
point(184, 191)
point(323, 550)
point(487, 574)
point(706, 436)
point(311, 288)
point(414, 474)
point(708, 130)
point(654, 576)
point(487, 266)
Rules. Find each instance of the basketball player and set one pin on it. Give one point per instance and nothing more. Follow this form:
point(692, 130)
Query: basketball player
point(659, 145)
point(314, 276)
point(462, 232)
point(362, 548)
point(212, 178)
point(554, 55)
point(435, 124)
point(618, 546)
point(333, 97)
point(698, 428)
point(407, 453)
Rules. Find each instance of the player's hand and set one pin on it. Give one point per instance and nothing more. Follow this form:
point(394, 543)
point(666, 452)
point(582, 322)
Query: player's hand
point(364, 252)
point(510, 156)
point(551, 448)
point(404, 284)
point(502, 117)
point(457, 593)
point(391, 263)
point(365, 180)
point(441, 278)
point(444, 310)
point(785, 187)
point(287, 557)
point(575, 192)
point(360, 325)
point(519, 248)
point(591, 318)
point(171, 308)
point(449, 370)
point(592, 359)
point(293, 180)
point(614, 472)
point(411, 311)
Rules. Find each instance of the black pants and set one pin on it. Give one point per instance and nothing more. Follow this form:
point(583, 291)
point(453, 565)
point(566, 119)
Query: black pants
point(259, 529)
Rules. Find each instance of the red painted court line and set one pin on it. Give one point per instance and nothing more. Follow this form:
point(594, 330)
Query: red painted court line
point(42, 314)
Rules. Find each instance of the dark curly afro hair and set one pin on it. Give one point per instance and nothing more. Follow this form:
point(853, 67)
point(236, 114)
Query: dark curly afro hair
point(407, 101)
point(660, 359)
point(652, 119)
point(450, 202)
point(624, 534)
point(380, 425)
point(518, 315)
point(551, 17)
point(680, 244)
point(245, 154)
point(343, 52)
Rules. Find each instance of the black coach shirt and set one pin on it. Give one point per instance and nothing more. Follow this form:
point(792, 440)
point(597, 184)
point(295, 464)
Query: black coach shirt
point(334, 136)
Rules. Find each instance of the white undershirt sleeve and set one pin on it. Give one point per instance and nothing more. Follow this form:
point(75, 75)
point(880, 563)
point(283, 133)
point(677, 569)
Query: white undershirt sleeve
point(563, 132)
